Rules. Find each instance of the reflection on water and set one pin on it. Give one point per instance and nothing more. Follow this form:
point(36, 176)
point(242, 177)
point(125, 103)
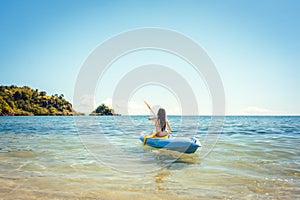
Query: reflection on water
point(159, 179)
point(44, 158)
point(161, 175)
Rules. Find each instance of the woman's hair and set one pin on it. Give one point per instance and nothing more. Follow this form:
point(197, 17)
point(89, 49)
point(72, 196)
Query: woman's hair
point(161, 117)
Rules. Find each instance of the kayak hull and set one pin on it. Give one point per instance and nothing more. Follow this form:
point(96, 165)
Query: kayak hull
point(180, 144)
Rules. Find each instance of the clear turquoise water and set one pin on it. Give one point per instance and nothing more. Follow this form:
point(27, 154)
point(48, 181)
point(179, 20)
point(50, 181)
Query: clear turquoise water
point(102, 158)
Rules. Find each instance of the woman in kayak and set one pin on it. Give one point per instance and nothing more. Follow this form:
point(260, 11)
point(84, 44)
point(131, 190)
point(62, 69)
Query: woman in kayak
point(161, 123)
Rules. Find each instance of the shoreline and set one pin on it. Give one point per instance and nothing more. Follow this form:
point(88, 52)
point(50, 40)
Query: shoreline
point(118, 115)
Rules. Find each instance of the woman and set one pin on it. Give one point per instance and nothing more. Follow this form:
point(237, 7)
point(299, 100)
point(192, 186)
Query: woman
point(161, 123)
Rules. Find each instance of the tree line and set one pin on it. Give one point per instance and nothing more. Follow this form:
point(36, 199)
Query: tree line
point(16, 100)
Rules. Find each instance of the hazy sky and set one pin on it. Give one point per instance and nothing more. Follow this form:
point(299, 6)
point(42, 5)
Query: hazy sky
point(255, 46)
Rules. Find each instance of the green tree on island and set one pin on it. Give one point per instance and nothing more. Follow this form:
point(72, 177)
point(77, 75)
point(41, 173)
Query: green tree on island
point(16, 100)
point(103, 110)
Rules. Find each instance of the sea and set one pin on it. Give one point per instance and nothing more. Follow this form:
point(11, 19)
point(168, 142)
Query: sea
point(101, 157)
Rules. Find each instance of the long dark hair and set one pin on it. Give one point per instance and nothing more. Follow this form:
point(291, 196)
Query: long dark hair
point(161, 117)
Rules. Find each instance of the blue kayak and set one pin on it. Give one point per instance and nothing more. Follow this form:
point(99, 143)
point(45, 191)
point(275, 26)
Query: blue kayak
point(180, 144)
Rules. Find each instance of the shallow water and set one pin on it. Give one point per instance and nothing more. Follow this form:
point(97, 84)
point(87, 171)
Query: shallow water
point(102, 158)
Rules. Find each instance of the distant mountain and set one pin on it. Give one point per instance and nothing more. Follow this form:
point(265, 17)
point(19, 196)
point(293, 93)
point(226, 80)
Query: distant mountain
point(16, 100)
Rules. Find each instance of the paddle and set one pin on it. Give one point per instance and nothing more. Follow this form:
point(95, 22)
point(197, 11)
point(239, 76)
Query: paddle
point(149, 107)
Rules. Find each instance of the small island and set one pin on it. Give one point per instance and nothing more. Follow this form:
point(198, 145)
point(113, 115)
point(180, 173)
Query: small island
point(103, 110)
point(16, 100)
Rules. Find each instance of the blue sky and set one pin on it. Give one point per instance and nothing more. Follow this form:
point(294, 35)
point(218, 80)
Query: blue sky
point(255, 46)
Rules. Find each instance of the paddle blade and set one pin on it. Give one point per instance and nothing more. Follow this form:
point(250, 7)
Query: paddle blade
point(149, 107)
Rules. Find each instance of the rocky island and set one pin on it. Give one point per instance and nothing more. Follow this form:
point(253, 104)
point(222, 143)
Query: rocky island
point(103, 110)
